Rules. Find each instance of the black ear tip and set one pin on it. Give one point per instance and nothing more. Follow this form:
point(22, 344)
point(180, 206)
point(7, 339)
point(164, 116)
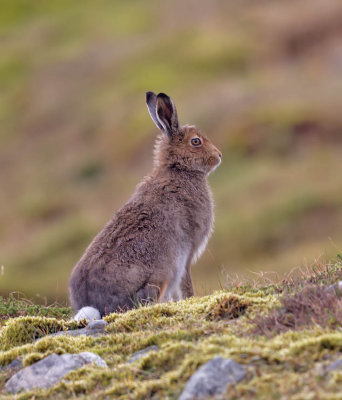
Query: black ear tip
point(163, 96)
point(149, 95)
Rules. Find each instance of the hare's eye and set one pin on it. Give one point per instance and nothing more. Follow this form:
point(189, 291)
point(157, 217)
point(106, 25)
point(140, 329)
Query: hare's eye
point(196, 141)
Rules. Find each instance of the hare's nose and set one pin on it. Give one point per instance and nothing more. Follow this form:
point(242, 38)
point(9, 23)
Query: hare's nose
point(219, 154)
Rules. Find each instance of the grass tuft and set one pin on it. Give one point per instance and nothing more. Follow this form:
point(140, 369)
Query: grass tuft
point(229, 307)
point(312, 305)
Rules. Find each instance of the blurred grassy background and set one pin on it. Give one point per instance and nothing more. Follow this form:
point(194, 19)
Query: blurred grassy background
point(263, 79)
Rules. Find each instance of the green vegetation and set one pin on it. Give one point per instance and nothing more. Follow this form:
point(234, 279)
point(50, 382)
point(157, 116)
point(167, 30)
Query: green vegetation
point(281, 363)
point(14, 306)
point(263, 80)
point(76, 137)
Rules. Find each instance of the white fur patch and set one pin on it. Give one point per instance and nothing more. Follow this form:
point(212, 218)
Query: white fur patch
point(174, 292)
point(87, 313)
point(200, 249)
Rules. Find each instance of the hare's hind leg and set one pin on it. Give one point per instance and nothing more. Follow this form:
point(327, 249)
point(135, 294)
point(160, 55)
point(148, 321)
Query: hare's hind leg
point(147, 294)
point(162, 292)
point(170, 293)
point(187, 286)
point(152, 293)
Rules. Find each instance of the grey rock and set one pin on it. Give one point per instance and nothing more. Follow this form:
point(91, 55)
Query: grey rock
point(138, 354)
point(94, 328)
point(97, 325)
point(336, 287)
point(45, 373)
point(14, 365)
point(213, 379)
point(91, 358)
point(335, 365)
point(74, 332)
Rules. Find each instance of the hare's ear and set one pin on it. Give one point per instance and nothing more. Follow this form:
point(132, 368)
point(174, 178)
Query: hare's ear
point(151, 101)
point(167, 114)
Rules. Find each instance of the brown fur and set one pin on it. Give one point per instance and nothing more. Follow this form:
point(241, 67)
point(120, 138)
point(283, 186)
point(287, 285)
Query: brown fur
point(145, 251)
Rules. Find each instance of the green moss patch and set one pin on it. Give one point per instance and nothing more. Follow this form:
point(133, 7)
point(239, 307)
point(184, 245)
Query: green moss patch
point(23, 330)
point(188, 333)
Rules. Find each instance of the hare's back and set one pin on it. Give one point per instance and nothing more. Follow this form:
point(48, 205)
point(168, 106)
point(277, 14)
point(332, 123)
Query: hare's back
point(137, 232)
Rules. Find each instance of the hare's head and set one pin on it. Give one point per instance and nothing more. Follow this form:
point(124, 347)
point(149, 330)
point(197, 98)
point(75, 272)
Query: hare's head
point(180, 147)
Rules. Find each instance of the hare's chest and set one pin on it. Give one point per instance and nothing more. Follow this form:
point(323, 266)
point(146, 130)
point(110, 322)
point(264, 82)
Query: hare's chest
point(181, 262)
point(202, 232)
point(202, 242)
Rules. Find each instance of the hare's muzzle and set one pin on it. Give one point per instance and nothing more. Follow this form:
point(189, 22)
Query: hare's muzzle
point(214, 160)
point(218, 155)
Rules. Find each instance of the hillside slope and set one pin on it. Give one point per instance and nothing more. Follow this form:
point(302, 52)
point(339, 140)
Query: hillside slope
point(262, 79)
point(286, 335)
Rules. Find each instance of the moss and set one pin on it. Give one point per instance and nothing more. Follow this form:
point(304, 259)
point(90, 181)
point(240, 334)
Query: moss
point(23, 330)
point(188, 333)
point(184, 313)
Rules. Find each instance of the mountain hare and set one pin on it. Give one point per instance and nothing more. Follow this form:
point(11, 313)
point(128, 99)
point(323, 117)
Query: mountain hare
point(145, 251)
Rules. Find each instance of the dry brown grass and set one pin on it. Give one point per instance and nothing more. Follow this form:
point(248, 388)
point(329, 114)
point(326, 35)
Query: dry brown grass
point(311, 305)
point(229, 307)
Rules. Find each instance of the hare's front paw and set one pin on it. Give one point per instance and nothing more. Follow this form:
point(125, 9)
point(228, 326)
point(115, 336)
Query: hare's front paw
point(169, 293)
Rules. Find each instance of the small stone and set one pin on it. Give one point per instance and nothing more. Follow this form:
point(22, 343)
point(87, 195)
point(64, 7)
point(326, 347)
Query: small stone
point(94, 328)
point(97, 325)
point(138, 354)
point(50, 370)
point(91, 358)
point(72, 332)
point(335, 365)
point(213, 378)
point(14, 365)
point(336, 287)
